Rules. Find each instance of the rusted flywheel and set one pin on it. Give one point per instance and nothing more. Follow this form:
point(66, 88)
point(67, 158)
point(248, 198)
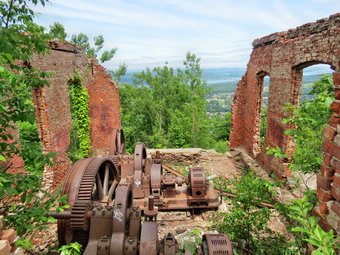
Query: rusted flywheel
point(117, 143)
point(91, 181)
point(139, 163)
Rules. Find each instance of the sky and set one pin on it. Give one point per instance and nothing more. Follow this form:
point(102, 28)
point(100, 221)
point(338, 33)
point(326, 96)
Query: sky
point(151, 32)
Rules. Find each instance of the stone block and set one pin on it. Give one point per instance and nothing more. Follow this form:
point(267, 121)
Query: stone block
point(5, 247)
point(9, 234)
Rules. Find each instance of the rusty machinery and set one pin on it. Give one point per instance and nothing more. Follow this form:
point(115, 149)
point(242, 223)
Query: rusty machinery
point(107, 196)
point(103, 218)
point(147, 177)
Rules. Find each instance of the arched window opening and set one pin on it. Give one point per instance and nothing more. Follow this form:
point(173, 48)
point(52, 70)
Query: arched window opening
point(309, 114)
point(263, 81)
point(264, 109)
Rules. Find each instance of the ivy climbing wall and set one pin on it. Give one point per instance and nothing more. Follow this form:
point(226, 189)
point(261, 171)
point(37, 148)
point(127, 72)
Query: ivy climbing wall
point(283, 56)
point(53, 106)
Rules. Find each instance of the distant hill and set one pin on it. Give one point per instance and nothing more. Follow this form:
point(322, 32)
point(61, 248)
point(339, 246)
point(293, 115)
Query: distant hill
point(224, 80)
point(230, 86)
point(223, 83)
point(212, 75)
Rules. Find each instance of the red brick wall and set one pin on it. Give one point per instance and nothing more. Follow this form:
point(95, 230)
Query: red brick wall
point(283, 56)
point(104, 109)
point(53, 107)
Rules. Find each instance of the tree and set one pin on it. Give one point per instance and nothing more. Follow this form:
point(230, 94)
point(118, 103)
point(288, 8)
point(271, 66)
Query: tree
point(57, 31)
point(21, 38)
point(166, 107)
point(83, 41)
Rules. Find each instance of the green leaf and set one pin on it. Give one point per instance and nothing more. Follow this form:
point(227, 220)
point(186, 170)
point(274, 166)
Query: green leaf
point(2, 157)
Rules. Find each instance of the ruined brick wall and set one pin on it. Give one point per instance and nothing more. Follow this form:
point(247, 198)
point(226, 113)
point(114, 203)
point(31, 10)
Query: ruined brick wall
point(104, 109)
point(53, 107)
point(283, 56)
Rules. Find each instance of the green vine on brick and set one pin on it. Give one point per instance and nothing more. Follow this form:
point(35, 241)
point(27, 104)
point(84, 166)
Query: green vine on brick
point(80, 133)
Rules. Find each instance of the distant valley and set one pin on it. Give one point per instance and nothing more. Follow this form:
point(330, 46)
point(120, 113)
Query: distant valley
point(222, 83)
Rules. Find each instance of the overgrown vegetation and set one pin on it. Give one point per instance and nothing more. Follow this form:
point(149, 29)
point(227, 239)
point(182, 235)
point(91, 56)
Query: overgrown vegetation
point(246, 222)
point(80, 133)
point(71, 249)
point(167, 108)
point(25, 204)
point(307, 122)
point(326, 243)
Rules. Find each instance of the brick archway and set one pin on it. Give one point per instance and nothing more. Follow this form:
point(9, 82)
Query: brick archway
point(283, 55)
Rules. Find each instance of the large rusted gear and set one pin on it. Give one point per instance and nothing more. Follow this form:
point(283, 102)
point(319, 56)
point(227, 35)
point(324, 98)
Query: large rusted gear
point(79, 212)
point(90, 181)
point(138, 175)
point(156, 180)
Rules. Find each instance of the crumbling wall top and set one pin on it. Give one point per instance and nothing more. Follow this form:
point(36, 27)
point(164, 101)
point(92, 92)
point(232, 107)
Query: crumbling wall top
point(61, 45)
point(319, 26)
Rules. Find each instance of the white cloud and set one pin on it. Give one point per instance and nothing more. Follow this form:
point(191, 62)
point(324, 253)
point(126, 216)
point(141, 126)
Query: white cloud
point(149, 32)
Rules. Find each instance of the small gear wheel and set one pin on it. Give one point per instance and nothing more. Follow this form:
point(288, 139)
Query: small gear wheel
point(79, 220)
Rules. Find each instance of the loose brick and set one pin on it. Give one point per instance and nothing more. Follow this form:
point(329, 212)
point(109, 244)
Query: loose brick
point(323, 196)
point(5, 247)
point(327, 172)
point(336, 78)
point(327, 159)
point(334, 121)
point(323, 208)
point(331, 148)
point(335, 192)
point(337, 94)
point(9, 234)
point(335, 106)
point(336, 180)
point(323, 183)
point(335, 207)
point(329, 133)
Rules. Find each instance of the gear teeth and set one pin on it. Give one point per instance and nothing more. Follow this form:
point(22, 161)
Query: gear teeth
point(78, 215)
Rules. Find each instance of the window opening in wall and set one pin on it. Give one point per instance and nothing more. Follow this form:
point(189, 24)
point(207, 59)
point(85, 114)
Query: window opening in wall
point(260, 126)
point(309, 116)
point(264, 109)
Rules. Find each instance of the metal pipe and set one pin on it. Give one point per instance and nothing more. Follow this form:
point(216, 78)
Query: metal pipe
point(60, 215)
